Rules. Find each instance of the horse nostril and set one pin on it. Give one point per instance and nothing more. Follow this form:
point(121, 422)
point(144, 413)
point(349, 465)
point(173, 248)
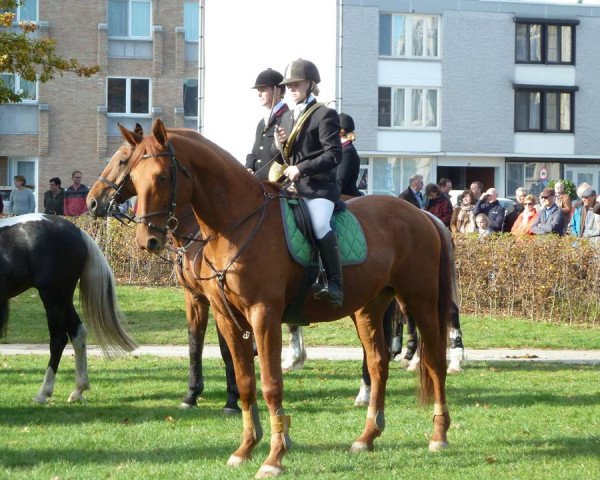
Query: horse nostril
point(152, 244)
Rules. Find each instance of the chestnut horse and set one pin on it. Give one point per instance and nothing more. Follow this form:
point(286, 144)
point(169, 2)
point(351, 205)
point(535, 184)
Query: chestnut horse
point(112, 188)
point(247, 270)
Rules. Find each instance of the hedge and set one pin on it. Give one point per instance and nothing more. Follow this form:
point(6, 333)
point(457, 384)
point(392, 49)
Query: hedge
point(545, 278)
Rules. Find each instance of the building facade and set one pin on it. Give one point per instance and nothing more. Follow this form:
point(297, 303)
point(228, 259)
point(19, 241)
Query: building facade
point(148, 52)
point(501, 92)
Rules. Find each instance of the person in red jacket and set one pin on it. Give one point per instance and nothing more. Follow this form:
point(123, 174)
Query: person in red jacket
point(438, 204)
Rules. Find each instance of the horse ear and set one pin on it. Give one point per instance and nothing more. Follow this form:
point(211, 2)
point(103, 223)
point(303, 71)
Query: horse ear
point(138, 129)
point(159, 131)
point(130, 137)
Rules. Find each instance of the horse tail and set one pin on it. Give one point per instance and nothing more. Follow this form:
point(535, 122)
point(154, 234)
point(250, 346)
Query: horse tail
point(3, 317)
point(446, 296)
point(97, 295)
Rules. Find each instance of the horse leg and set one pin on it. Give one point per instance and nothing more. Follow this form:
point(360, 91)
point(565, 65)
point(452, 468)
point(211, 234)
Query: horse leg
point(364, 393)
point(196, 313)
point(78, 333)
point(433, 369)
point(266, 326)
point(370, 330)
point(242, 352)
point(233, 394)
point(296, 354)
point(411, 358)
point(55, 315)
point(457, 351)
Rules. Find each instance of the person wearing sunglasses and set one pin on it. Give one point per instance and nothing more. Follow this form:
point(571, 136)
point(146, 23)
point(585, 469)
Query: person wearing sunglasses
point(524, 221)
point(550, 218)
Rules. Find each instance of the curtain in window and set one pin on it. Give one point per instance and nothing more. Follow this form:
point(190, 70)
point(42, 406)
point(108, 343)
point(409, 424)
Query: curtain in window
point(416, 118)
point(399, 40)
point(191, 19)
point(534, 111)
point(399, 120)
point(521, 43)
point(418, 27)
point(552, 43)
point(565, 43)
point(565, 111)
point(386, 176)
point(431, 108)
point(551, 109)
point(535, 43)
point(140, 19)
point(28, 89)
point(432, 37)
point(117, 18)
point(29, 11)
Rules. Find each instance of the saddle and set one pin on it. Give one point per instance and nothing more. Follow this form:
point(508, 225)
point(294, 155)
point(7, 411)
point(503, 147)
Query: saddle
point(301, 243)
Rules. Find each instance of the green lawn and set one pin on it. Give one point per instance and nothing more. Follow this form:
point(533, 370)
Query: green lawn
point(157, 316)
point(509, 421)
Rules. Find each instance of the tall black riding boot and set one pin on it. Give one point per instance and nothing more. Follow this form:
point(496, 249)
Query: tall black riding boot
point(333, 293)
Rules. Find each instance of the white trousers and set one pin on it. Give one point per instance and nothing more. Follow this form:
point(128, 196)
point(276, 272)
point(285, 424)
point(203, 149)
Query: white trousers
point(320, 211)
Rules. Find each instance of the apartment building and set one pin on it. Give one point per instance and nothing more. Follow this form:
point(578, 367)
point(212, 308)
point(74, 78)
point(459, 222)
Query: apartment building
point(148, 51)
point(502, 92)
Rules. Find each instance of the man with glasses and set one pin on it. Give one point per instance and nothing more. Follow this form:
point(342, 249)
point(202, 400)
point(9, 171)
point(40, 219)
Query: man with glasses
point(75, 196)
point(550, 218)
point(585, 222)
point(413, 193)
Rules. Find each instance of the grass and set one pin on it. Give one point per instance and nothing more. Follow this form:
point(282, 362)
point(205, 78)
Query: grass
point(157, 316)
point(509, 421)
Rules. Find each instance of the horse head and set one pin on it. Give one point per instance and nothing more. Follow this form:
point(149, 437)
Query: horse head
point(162, 184)
point(113, 186)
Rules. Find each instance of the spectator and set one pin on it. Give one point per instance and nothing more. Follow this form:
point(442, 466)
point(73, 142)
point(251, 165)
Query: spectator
point(483, 225)
point(438, 204)
point(509, 221)
point(445, 185)
point(75, 196)
point(563, 201)
point(463, 219)
point(413, 193)
point(522, 224)
point(477, 189)
point(54, 198)
point(585, 223)
point(488, 203)
point(270, 95)
point(349, 168)
point(550, 218)
point(21, 200)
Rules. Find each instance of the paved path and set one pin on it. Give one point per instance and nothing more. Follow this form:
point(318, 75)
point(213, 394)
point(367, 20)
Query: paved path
point(340, 353)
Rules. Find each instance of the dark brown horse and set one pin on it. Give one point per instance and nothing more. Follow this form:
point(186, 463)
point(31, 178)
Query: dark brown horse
point(112, 188)
point(247, 270)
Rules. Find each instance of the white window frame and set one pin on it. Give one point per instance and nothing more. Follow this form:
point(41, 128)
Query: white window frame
point(18, 19)
point(408, 119)
point(129, 36)
point(17, 88)
point(408, 36)
point(128, 112)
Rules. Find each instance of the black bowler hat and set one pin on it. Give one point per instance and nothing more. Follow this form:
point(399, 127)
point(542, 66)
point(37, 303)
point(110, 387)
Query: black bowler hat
point(268, 78)
point(346, 122)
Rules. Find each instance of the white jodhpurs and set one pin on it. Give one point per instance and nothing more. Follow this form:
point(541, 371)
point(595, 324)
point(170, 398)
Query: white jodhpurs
point(320, 211)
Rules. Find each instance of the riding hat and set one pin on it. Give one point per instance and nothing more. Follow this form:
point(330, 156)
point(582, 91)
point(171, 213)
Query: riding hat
point(268, 78)
point(299, 70)
point(346, 122)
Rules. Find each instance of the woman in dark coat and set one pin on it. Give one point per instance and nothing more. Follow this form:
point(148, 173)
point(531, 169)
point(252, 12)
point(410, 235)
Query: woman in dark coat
point(309, 146)
point(438, 204)
point(348, 170)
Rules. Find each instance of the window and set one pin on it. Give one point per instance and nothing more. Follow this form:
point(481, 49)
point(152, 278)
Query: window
point(191, 18)
point(129, 18)
point(408, 107)
point(129, 96)
point(544, 110)
point(533, 175)
point(20, 86)
point(409, 35)
point(389, 175)
point(26, 12)
point(190, 97)
point(545, 42)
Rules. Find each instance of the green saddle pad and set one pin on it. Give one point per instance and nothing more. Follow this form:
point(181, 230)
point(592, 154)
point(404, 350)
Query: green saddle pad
point(351, 238)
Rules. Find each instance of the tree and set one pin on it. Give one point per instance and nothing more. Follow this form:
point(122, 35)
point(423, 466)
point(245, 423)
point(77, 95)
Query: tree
point(33, 59)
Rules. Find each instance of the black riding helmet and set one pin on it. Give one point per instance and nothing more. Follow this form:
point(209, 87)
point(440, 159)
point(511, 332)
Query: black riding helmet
point(299, 70)
point(346, 122)
point(268, 78)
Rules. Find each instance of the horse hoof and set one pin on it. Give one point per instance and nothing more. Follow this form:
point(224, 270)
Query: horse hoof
point(437, 445)
point(75, 397)
point(452, 369)
point(41, 399)
point(404, 363)
point(414, 364)
point(361, 402)
point(359, 447)
point(268, 471)
point(186, 406)
point(231, 412)
point(235, 461)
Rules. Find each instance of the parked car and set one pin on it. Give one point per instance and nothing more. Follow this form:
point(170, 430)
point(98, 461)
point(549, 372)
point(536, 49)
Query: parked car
point(5, 194)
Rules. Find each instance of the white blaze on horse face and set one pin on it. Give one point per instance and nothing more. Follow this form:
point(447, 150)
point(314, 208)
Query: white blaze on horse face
point(28, 217)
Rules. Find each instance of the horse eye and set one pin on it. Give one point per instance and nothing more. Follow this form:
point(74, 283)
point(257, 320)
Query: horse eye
point(123, 161)
point(161, 178)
